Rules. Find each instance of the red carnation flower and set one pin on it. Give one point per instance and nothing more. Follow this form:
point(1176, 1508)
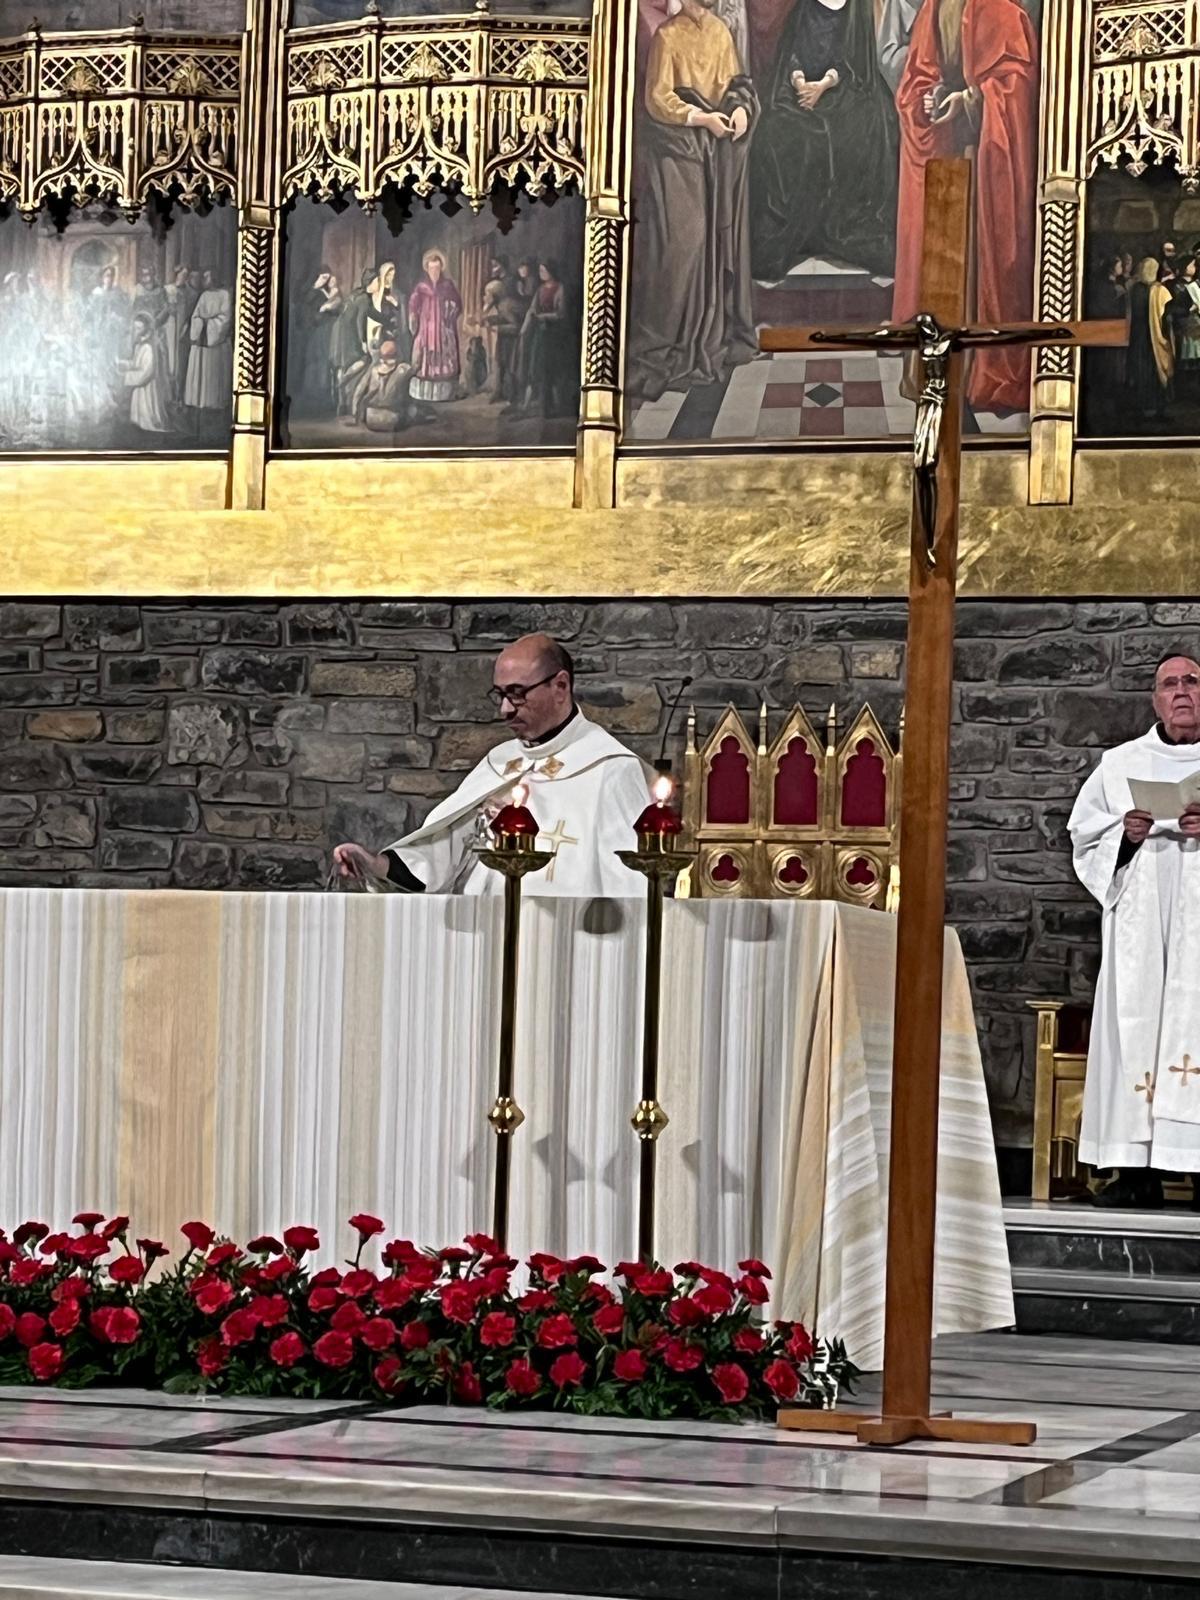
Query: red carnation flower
point(54, 1244)
point(681, 1356)
point(689, 1269)
point(652, 1284)
point(721, 1279)
point(334, 1349)
point(357, 1283)
point(286, 1350)
point(264, 1245)
point(115, 1228)
point(8, 1320)
point(27, 1272)
point(152, 1250)
point(239, 1327)
point(554, 1332)
point(127, 1270)
point(732, 1381)
point(493, 1282)
point(467, 1387)
point(86, 1219)
point(198, 1234)
point(46, 1361)
point(685, 1312)
point(497, 1330)
point(88, 1247)
point(598, 1294)
point(714, 1300)
point(453, 1253)
point(366, 1225)
point(780, 1377)
point(755, 1268)
point(29, 1329)
point(387, 1374)
point(348, 1318)
point(588, 1264)
point(73, 1288)
point(378, 1333)
point(8, 1252)
point(800, 1343)
point(29, 1233)
point(482, 1243)
point(415, 1335)
point(323, 1299)
point(459, 1301)
point(64, 1319)
point(276, 1271)
point(221, 1253)
point(300, 1240)
point(630, 1366)
point(549, 1268)
point(115, 1324)
point(522, 1379)
point(270, 1309)
point(400, 1253)
point(609, 1320)
point(211, 1356)
point(754, 1289)
point(393, 1293)
point(748, 1340)
point(422, 1273)
point(628, 1269)
point(536, 1300)
point(210, 1294)
point(327, 1278)
point(568, 1370)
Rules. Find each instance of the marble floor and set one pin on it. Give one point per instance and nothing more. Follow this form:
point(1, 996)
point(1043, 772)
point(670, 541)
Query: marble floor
point(1112, 1484)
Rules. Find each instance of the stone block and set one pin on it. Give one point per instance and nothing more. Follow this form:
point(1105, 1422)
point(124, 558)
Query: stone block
point(1008, 619)
point(1146, 649)
point(281, 869)
point(876, 660)
point(150, 672)
point(1073, 922)
point(25, 620)
point(453, 688)
point(381, 679)
point(374, 820)
point(1037, 866)
point(978, 905)
point(994, 941)
point(20, 658)
point(318, 624)
point(17, 812)
point(1032, 786)
point(975, 660)
point(164, 628)
point(33, 766)
point(271, 749)
point(808, 666)
point(1055, 661)
point(384, 755)
point(124, 763)
point(370, 716)
point(397, 645)
point(245, 787)
point(133, 852)
point(974, 749)
point(71, 661)
point(135, 727)
point(247, 627)
point(743, 666)
point(625, 707)
point(1051, 758)
point(252, 672)
point(502, 621)
point(630, 622)
point(964, 788)
point(857, 624)
point(330, 757)
point(420, 785)
point(307, 793)
point(1000, 705)
point(1176, 614)
point(1083, 717)
point(1033, 980)
point(1052, 825)
point(42, 860)
point(249, 822)
point(1110, 616)
point(36, 689)
point(72, 726)
point(203, 732)
point(979, 814)
point(157, 809)
point(408, 614)
point(103, 627)
point(67, 819)
point(789, 625)
point(966, 860)
point(723, 623)
point(202, 865)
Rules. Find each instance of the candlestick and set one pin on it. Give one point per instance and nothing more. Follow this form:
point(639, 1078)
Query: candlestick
point(658, 858)
point(515, 853)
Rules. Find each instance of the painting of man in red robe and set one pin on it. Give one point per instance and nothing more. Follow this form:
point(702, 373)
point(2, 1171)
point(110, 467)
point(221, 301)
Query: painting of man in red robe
point(970, 84)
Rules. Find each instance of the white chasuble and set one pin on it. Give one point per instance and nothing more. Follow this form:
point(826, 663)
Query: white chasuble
point(1141, 1103)
point(586, 791)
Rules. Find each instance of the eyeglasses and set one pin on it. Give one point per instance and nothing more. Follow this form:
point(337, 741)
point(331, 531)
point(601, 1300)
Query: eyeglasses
point(517, 693)
point(1189, 680)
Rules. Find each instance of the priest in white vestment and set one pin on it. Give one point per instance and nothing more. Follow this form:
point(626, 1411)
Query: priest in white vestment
point(1141, 1105)
point(585, 789)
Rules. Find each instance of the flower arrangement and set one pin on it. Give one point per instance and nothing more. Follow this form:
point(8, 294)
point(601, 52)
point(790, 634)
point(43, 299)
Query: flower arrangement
point(84, 1308)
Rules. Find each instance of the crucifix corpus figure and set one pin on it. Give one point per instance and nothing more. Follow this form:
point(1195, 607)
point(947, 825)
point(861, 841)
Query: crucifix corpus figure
point(940, 335)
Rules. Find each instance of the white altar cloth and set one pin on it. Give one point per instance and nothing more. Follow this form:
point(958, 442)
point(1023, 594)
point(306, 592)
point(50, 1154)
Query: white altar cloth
point(257, 1060)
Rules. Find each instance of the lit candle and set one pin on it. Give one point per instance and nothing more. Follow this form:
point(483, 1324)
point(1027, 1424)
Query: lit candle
point(660, 818)
point(515, 821)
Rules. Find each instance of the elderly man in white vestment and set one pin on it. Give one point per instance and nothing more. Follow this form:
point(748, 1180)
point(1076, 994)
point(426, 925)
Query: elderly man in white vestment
point(585, 789)
point(1141, 1105)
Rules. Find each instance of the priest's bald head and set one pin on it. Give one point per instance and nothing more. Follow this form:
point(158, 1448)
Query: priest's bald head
point(534, 686)
point(1177, 697)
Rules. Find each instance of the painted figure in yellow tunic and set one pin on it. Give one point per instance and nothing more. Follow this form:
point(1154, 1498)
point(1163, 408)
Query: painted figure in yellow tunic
point(1150, 364)
point(691, 314)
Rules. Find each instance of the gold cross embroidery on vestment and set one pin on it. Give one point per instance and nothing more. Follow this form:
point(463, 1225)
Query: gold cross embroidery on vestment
point(557, 836)
point(1146, 1088)
point(1187, 1070)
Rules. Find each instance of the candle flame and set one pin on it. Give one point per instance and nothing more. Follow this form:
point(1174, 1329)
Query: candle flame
point(663, 789)
point(520, 794)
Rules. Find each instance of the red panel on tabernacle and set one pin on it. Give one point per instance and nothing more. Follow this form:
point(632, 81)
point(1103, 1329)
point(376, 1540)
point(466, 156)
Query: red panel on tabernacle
point(864, 788)
point(794, 871)
point(729, 784)
point(726, 870)
point(796, 786)
point(861, 873)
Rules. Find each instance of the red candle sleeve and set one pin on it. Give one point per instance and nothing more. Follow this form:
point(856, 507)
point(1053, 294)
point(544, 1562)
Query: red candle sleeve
point(511, 820)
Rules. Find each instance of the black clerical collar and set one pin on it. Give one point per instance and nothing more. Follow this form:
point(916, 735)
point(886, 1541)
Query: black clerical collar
point(1167, 739)
point(545, 738)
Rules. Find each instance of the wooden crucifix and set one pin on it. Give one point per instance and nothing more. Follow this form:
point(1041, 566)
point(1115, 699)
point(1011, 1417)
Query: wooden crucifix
point(940, 335)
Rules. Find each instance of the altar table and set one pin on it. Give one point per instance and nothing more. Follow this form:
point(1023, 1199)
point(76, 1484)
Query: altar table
point(261, 1059)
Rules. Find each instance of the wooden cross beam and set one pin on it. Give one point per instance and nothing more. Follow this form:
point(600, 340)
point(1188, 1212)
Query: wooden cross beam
point(940, 334)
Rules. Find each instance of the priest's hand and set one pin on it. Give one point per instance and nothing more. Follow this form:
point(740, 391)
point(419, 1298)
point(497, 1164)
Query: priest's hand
point(1189, 822)
point(1138, 825)
point(353, 861)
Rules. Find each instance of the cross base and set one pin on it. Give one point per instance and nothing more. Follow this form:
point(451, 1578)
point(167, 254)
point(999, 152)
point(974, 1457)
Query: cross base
point(945, 1427)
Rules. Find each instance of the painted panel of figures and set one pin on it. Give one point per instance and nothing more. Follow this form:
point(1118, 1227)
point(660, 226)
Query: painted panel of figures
point(1142, 262)
point(312, 13)
point(779, 179)
point(432, 325)
point(117, 336)
point(171, 16)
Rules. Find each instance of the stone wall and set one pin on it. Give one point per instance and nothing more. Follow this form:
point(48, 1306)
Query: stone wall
point(217, 745)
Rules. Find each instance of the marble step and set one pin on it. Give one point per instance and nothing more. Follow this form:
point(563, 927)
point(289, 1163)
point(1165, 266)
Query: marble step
point(1108, 1305)
point(30, 1578)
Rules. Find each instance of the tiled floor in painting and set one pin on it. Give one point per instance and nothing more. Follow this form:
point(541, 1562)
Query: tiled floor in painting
point(1113, 1482)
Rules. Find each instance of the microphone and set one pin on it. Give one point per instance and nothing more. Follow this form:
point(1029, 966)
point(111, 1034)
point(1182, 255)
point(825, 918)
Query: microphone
point(662, 764)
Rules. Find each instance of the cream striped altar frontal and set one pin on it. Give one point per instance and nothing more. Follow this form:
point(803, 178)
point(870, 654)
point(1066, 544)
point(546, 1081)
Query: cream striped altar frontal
point(257, 1060)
